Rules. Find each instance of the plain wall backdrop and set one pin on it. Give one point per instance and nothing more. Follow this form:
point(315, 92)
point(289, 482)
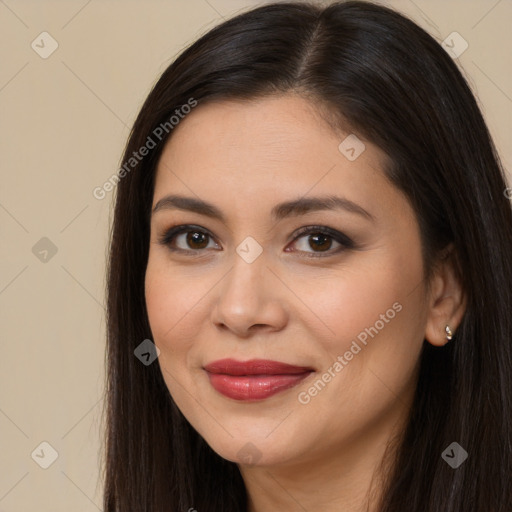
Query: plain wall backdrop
point(64, 120)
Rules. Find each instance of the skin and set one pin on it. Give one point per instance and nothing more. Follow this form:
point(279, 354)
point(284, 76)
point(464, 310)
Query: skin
point(208, 304)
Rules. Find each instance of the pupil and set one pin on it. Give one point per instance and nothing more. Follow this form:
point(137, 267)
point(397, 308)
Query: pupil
point(194, 237)
point(323, 238)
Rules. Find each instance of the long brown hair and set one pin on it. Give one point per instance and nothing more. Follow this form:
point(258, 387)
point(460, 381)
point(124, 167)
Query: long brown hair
point(379, 73)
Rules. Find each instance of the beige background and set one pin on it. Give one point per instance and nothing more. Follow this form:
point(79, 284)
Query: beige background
point(64, 121)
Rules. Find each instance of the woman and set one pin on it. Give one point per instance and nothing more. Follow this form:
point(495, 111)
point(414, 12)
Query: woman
point(310, 284)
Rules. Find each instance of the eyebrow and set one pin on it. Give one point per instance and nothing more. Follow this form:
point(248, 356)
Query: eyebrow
point(295, 207)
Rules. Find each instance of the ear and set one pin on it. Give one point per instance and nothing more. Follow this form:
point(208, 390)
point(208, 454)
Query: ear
point(447, 300)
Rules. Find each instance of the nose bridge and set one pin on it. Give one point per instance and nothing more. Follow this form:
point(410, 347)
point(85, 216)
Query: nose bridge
point(247, 295)
point(246, 282)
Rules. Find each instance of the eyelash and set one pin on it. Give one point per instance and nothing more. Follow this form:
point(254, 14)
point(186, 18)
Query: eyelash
point(341, 238)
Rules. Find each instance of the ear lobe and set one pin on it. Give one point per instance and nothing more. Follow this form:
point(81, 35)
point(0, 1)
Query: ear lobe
point(447, 301)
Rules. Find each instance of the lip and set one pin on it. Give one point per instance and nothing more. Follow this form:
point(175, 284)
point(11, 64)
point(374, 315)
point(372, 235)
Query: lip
point(256, 379)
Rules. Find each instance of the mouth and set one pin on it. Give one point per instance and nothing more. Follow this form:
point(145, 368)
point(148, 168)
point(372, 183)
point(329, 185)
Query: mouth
point(256, 379)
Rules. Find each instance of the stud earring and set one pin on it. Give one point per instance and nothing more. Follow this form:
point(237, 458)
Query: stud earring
point(449, 334)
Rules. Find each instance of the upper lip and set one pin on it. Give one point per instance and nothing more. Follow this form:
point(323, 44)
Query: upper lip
point(254, 367)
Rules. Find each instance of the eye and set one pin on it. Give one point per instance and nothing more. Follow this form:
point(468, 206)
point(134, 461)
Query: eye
point(321, 238)
point(192, 238)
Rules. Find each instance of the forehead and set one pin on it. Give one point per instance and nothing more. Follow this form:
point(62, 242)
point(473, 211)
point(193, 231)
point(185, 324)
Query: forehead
point(280, 127)
point(269, 148)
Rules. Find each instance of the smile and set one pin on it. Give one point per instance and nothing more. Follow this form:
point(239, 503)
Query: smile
point(256, 379)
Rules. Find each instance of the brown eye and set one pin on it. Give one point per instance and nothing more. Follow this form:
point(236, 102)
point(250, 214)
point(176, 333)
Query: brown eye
point(186, 238)
point(196, 239)
point(319, 239)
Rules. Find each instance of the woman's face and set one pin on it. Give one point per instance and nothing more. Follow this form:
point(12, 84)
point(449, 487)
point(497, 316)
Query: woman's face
point(344, 303)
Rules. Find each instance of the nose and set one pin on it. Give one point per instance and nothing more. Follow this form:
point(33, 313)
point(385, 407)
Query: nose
point(249, 299)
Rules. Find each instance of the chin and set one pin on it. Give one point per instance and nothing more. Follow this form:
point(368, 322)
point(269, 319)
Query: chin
point(251, 451)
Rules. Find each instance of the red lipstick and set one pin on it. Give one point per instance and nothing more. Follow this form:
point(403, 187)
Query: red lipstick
point(256, 379)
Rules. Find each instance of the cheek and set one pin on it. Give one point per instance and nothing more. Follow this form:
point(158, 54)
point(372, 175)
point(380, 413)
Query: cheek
point(176, 305)
point(385, 345)
point(343, 305)
point(167, 308)
point(371, 316)
point(160, 304)
point(165, 297)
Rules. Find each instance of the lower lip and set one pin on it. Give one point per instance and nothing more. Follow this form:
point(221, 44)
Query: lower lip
point(253, 387)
